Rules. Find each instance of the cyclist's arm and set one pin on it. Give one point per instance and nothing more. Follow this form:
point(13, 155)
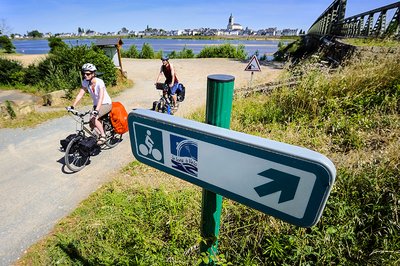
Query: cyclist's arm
point(79, 97)
point(172, 74)
point(159, 74)
point(101, 98)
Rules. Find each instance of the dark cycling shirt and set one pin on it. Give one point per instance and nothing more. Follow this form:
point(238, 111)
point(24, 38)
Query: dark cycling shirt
point(167, 73)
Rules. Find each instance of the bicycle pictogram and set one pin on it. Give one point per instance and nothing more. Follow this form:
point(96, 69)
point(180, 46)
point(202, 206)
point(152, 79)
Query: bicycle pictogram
point(148, 149)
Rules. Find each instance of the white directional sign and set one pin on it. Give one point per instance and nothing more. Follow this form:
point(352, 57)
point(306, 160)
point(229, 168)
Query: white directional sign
point(282, 180)
point(253, 65)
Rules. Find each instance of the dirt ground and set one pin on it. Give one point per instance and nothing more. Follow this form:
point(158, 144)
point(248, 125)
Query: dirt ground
point(193, 74)
point(189, 70)
point(26, 60)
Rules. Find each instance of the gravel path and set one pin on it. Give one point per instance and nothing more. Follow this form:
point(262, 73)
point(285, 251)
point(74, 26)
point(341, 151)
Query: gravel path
point(36, 189)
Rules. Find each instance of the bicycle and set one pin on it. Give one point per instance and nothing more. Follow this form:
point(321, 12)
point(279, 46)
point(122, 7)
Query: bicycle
point(83, 144)
point(165, 103)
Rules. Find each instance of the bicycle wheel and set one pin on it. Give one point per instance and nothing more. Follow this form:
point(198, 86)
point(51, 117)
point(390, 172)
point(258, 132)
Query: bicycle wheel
point(74, 159)
point(113, 139)
point(162, 105)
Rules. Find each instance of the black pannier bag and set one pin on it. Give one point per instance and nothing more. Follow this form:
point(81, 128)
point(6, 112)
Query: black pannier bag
point(180, 93)
point(88, 146)
point(64, 142)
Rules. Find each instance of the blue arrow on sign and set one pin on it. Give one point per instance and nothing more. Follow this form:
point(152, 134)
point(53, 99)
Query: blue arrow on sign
point(281, 181)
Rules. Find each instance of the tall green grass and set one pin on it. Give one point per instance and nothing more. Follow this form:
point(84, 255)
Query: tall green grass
point(387, 42)
point(145, 217)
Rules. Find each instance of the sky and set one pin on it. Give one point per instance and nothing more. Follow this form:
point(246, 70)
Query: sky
point(66, 16)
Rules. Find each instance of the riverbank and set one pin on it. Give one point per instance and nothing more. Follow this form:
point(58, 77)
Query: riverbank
point(25, 59)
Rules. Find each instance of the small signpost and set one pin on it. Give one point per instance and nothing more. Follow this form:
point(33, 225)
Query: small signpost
point(282, 180)
point(252, 66)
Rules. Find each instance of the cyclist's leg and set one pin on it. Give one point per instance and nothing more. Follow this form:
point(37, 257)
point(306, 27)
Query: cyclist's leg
point(104, 110)
point(173, 94)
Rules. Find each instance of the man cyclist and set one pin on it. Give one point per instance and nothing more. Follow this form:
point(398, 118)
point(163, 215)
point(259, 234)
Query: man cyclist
point(170, 79)
point(101, 100)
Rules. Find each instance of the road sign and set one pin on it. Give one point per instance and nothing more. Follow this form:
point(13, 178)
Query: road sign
point(282, 180)
point(253, 65)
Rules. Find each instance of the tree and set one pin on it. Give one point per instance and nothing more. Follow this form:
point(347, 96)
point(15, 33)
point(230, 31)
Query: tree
point(6, 44)
point(4, 28)
point(147, 51)
point(35, 34)
point(56, 43)
point(131, 53)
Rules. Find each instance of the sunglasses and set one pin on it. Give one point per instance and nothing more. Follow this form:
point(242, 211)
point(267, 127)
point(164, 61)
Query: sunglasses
point(87, 74)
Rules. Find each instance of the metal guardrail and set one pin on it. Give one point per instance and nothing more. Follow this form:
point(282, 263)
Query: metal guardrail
point(333, 22)
point(362, 25)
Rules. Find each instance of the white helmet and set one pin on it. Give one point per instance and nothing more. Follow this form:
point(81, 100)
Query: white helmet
point(88, 67)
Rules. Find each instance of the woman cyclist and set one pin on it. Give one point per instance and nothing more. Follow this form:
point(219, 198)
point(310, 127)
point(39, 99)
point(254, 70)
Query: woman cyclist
point(101, 100)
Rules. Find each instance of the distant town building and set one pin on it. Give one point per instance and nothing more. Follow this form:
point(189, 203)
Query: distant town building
point(232, 29)
point(270, 32)
point(232, 25)
point(290, 32)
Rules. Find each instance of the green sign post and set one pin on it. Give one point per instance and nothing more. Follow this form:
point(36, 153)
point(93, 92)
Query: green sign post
point(218, 113)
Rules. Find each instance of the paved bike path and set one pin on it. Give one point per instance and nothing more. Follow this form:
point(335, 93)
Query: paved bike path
point(37, 190)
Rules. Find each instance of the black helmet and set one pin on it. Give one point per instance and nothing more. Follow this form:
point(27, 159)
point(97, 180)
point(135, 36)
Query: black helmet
point(164, 58)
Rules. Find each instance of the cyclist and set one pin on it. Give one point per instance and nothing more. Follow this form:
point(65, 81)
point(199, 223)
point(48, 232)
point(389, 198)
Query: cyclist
point(101, 100)
point(170, 78)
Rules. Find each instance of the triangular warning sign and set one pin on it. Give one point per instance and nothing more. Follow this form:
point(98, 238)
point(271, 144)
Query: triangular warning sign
point(253, 65)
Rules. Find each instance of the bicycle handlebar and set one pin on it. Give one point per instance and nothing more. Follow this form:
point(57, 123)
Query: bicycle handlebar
point(77, 113)
point(161, 86)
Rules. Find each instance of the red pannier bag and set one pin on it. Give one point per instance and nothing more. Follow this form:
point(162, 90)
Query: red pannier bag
point(119, 118)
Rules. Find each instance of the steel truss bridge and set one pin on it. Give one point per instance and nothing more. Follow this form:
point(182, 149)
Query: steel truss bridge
point(332, 22)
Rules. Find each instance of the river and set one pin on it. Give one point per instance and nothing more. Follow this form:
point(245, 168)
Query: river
point(263, 47)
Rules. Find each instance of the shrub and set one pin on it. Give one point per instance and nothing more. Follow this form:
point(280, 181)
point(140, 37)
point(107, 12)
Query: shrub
point(6, 44)
point(32, 75)
point(59, 79)
point(147, 51)
point(158, 54)
point(132, 52)
point(56, 43)
point(223, 51)
point(173, 54)
point(10, 72)
point(185, 53)
point(62, 68)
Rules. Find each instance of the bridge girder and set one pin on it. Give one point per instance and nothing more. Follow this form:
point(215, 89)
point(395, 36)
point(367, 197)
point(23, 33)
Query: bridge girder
point(333, 22)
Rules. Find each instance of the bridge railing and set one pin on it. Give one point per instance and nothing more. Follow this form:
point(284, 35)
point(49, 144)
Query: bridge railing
point(333, 22)
point(327, 22)
point(362, 25)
